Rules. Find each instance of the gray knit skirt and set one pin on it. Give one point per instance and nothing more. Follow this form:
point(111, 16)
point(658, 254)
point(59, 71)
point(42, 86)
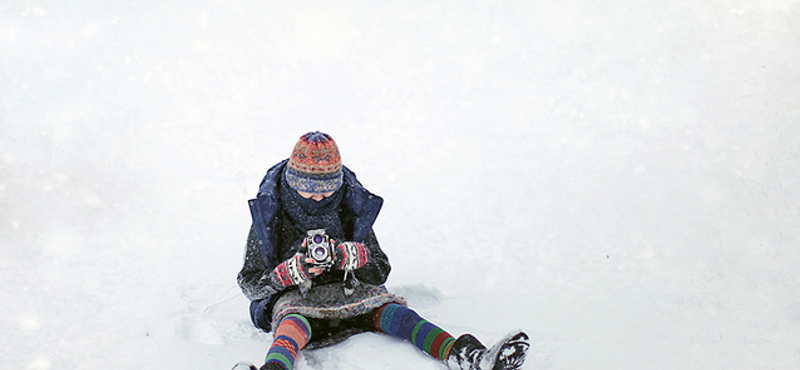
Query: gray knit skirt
point(328, 302)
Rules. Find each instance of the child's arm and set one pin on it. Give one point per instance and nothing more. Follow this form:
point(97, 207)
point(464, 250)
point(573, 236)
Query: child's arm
point(376, 271)
point(254, 278)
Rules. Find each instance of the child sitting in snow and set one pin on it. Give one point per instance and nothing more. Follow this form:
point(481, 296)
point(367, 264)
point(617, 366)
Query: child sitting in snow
point(313, 302)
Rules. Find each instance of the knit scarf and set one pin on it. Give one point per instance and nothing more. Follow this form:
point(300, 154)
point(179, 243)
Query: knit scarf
point(309, 214)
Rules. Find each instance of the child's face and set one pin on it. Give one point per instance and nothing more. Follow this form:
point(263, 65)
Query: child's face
point(315, 196)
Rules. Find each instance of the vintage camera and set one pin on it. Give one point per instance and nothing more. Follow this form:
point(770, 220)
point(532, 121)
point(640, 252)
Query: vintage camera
point(318, 247)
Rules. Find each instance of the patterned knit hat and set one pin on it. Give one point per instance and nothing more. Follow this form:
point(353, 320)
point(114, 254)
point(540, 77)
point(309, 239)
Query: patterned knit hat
point(315, 165)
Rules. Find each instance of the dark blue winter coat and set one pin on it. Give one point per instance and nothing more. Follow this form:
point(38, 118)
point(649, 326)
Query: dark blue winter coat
point(267, 243)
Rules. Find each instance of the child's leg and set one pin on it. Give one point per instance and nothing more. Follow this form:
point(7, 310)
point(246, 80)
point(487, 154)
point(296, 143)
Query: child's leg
point(291, 336)
point(402, 322)
point(464, 353)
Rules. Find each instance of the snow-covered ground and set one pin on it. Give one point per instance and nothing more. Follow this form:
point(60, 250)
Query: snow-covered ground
point(619, 178)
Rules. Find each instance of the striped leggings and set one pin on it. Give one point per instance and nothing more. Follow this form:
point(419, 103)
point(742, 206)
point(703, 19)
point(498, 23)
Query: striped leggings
point(294, 332)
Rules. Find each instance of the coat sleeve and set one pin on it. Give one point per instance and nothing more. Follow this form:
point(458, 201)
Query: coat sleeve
point(376, 271)
point(255, 278)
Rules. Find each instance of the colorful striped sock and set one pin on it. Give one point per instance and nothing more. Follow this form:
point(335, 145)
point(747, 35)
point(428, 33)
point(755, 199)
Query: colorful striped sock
point(402, 322)
point(291, 336)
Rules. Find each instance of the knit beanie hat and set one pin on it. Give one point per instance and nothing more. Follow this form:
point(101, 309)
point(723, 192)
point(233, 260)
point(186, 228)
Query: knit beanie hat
point(315, 165)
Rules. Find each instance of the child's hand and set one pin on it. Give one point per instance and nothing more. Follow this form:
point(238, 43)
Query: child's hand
point(296, 270)
point(349, 255)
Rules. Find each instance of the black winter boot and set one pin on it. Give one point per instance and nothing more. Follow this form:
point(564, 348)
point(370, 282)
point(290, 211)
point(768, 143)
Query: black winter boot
point(244, 366)
point(249, 366)
point(468, 353)
point(272, 366)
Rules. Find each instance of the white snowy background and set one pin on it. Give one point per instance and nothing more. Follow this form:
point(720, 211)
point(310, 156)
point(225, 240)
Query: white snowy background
point(621, 179)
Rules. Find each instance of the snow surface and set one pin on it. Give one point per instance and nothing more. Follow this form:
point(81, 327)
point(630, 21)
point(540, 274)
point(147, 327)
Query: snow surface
point(620, 179)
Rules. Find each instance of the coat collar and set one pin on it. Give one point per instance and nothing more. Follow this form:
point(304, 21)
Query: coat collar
point(363, 205)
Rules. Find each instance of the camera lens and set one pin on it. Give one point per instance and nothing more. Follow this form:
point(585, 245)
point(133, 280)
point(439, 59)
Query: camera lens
point(317, 239)
point(319, 252)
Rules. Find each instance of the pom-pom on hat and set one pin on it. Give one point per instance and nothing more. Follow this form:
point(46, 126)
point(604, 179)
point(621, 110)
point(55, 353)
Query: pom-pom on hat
point(315, 165)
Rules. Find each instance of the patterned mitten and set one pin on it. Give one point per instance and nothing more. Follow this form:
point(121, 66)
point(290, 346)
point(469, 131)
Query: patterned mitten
point(350, 256)
point(293, 271)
